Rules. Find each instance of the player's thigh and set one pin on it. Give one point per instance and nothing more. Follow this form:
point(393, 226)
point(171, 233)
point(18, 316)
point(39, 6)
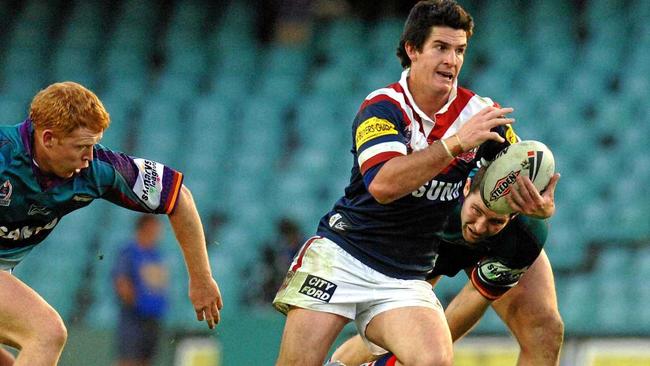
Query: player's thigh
point(533, 298)
point(308, 335)
point(24, 313)
point(412, 331)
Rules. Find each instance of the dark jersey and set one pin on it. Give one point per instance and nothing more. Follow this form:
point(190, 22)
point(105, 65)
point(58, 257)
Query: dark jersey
point(398, 239)
point(32, 203)
point(497, 263)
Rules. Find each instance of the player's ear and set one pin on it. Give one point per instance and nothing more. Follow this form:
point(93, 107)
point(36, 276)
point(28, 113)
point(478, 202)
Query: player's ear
point(468, 184)
point(47, 136)
point(411, 50)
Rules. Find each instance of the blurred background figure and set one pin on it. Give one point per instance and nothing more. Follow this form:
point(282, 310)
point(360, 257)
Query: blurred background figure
point(267, 273)
point(141, 281)
point(216, 221)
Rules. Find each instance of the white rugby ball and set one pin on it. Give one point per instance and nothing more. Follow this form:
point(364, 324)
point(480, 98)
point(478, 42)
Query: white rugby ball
point(530, 158)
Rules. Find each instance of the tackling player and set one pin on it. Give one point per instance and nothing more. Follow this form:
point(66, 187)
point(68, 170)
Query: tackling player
point(502, 259)
point(50, 165)
point(414, 143)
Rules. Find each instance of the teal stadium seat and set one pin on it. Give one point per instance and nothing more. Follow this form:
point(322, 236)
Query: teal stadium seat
point(613, 313)
point(284, 89)
point(286, 60)
point(75, 65)
point(638, 307)
point(577, 304)
point(342, 34)
point(333, 81)
point(177, 88)
point(160, 122)
point(207, 140)
point(22, 73)
point(384, 39)
point(12, 111)
point(565, 247)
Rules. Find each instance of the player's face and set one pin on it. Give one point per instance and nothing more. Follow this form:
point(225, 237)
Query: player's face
point(438, 64)
point(68, 154)
point(479, 222)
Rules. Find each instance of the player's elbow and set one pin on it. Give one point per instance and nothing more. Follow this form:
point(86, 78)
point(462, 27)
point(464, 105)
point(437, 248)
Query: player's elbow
point(185, 192)
point(382, 193)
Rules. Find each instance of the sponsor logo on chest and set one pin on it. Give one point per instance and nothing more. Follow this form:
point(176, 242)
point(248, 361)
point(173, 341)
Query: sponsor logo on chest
point(439, 191)
point(25, 232)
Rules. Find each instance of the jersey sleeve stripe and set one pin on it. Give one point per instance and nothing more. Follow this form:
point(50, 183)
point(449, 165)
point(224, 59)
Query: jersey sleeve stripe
point(387, 150)
point(176, 188)
point(378, 159)
point(482, 289)
point(393, 97)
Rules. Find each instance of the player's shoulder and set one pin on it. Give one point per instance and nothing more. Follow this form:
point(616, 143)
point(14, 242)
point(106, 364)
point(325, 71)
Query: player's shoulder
point(389, 98)
point(533, 228)
point(471, 98)
point(10, 141)
point(10, 134)
point(105, 158)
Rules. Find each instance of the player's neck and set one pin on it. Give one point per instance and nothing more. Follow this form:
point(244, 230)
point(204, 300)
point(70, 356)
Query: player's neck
point(428, 100)
point(38, 157)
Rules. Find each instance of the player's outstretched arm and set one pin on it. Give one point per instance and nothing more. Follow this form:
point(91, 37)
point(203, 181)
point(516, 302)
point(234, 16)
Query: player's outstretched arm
point(203, 289)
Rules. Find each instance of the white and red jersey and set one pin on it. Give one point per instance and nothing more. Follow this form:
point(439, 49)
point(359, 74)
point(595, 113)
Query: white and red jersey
point(398, 239)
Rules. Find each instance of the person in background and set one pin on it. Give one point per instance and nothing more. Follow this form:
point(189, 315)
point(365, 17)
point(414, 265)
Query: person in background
point(271, 267)
point(140, 277)
point(52, 164)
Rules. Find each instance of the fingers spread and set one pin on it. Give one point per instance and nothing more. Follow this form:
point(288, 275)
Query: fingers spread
point(216, 315)
point(513, 204)
point(209, 318)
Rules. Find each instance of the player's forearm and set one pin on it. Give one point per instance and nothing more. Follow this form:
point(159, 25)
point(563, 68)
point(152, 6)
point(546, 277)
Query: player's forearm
point(404, 174)
point(465, 310)
point(188, 229)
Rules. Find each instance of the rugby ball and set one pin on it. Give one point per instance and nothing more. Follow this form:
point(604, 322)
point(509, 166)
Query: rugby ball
point(530, 158)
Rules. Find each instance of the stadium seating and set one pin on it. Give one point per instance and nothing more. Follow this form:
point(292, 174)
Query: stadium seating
point(262, 130)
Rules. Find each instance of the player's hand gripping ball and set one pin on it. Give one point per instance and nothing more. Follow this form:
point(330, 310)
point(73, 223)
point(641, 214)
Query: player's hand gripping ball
point(530, 158)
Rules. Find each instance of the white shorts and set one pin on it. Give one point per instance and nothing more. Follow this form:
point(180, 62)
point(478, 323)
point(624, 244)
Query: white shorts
point(324, 277)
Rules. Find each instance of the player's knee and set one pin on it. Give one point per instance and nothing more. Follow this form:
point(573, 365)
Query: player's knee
point(546, 331)
point(554, 331)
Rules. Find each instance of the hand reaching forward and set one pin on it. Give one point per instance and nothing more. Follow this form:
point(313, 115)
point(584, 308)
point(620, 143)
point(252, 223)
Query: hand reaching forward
point(206, 298)
point(477, 129)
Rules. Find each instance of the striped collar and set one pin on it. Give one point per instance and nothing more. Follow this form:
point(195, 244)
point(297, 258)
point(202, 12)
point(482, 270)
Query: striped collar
point(403, 82)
